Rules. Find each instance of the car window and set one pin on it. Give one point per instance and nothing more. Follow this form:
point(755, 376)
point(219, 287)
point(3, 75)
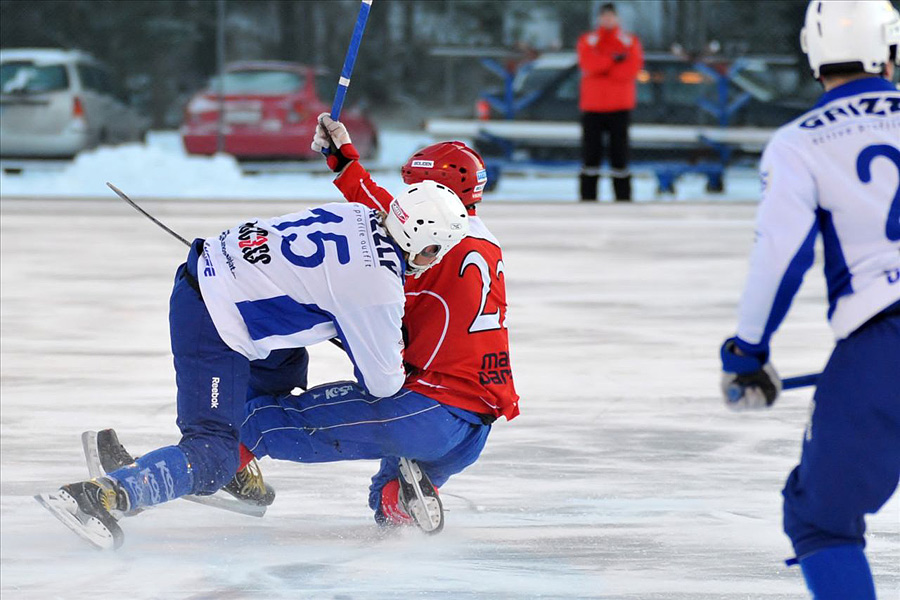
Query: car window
point(259, 82)
point(771, 82)
point(535, 79)
point(95, 79)
point(27, 78)
point(569, 87)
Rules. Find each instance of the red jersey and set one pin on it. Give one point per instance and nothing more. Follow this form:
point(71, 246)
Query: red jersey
point(608, 85)
point(458, 347)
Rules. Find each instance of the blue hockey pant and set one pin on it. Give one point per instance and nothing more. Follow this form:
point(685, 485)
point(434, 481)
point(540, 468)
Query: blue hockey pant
point(851, 450)
point(214, 382)
point(340, 421)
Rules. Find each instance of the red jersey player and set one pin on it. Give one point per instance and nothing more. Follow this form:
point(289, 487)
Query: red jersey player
point(457, 347)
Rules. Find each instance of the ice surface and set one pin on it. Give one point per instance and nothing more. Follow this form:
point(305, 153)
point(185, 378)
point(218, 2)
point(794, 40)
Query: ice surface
point(624, 477)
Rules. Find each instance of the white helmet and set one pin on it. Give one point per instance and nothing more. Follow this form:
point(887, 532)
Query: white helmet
point(426, 214)
point(853, 34)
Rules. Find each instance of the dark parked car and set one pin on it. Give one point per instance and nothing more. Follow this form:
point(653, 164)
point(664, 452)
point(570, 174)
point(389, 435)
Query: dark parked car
point(764, 93)
point(270, 112)
point(670, 90)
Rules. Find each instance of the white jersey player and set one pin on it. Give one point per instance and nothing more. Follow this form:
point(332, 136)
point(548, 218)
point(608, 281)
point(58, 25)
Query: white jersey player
point(835, 171)
point(305, 278)
point(263, 287)
point(832, 171)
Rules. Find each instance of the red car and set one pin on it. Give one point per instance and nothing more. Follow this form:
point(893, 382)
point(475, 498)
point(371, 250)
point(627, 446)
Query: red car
point(270, 112)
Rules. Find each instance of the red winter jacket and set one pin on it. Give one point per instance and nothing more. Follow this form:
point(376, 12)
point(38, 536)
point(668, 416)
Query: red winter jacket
point(608, 85)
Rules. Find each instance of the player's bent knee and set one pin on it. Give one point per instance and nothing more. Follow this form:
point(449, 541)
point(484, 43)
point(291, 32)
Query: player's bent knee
point(214, 460)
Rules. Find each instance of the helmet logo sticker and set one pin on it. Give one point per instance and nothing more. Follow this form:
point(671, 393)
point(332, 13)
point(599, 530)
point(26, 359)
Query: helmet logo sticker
point(424, 164)
point(399, 212)
point(481, 176)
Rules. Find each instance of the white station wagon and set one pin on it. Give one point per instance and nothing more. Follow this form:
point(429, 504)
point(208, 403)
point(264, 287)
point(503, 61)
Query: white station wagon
point(55, 103)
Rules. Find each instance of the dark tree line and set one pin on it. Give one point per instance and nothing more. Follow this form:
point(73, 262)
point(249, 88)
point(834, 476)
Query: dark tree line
point(166, 49)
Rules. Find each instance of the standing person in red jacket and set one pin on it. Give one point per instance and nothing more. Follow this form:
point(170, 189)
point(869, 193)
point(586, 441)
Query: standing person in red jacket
point(610, 60)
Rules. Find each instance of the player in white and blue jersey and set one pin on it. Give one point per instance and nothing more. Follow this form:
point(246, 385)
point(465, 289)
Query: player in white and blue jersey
point(835, 171)
point(242, 306)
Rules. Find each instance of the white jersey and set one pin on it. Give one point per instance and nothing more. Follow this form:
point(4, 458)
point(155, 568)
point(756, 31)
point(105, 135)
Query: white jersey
point(834, 171)
point(305, 278)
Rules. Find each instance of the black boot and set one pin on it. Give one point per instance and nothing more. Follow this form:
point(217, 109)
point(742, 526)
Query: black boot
point(87, 508)
point(588, 187)
point(113, 454)
point(247, 485)
point(622, 188)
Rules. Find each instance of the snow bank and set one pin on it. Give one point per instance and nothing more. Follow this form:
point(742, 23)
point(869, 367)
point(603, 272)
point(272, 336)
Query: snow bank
point(162, 169)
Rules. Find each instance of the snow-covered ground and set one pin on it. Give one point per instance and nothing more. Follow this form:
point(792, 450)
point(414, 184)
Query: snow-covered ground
point(161, 169)
point(624, 477)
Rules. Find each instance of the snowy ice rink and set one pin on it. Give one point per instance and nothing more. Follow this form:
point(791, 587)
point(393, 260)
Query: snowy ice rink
point(624, 477)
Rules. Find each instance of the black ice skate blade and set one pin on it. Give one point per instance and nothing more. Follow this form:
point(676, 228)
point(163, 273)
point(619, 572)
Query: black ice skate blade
point(100, 538)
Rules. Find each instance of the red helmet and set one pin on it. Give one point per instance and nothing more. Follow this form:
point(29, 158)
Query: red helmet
point(451, 163)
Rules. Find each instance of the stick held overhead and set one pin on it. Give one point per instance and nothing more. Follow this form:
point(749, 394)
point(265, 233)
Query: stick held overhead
point(349, 62)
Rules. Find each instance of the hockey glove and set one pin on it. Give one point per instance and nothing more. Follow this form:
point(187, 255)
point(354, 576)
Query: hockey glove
point(333, 135)
point(748, 382)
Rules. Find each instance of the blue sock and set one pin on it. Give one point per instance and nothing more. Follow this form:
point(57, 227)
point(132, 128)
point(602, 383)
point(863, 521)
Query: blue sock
point(157, 477)
point(838, 573)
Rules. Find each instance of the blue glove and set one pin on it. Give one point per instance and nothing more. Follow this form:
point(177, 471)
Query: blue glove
point(749, 381)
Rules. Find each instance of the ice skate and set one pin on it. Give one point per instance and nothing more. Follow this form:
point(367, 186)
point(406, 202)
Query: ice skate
point(250, 495)
point(248, 486)
point(87, 509)
point(111, 452)
point(104, 453)
point(419, 498)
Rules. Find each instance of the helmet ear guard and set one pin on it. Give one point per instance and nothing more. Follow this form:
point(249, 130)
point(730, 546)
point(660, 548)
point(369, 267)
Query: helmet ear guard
point(426, 214)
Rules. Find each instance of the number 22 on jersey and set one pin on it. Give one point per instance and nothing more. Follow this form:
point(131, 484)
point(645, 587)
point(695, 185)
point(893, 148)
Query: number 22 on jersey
point(483, 321)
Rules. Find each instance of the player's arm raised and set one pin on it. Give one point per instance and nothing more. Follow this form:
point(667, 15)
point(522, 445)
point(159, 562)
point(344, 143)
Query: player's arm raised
point(353, 180)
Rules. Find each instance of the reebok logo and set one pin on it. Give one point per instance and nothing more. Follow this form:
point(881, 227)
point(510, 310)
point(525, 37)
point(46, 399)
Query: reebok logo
point(214, 393)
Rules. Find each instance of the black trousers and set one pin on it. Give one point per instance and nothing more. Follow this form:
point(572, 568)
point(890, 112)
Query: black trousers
point(596, 128)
